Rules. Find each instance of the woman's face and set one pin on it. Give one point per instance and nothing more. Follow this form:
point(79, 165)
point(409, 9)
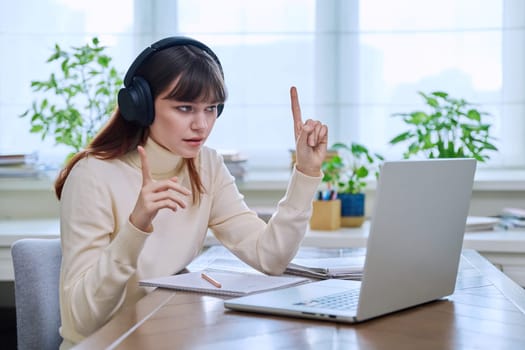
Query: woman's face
point(182, 127)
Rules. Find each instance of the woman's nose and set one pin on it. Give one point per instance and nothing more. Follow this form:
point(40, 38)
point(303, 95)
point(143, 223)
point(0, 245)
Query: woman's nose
point(199, 120)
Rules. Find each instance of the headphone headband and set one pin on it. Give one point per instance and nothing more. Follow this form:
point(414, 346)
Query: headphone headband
point(135, 99)
point(164, 44)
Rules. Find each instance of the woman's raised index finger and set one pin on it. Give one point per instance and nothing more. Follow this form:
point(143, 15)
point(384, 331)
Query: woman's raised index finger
point(296, 111)
point(146, 175)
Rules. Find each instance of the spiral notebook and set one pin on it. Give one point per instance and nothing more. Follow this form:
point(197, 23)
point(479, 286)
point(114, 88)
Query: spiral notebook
point(231, 282)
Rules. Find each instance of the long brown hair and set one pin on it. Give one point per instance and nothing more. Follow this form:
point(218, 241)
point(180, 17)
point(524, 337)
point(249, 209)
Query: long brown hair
point(199, 78)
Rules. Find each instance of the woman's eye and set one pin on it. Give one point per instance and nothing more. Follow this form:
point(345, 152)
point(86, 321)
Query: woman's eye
point(184, 108)
point(211, 108)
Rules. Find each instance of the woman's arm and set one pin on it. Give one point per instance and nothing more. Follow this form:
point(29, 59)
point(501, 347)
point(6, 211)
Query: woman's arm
point(99, 252)
point(270, 247)
point(266, 247)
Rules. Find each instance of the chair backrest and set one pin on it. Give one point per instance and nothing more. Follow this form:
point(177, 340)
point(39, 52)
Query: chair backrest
point(36, 263)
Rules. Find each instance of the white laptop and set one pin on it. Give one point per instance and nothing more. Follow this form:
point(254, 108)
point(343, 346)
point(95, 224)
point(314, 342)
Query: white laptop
point(413, 249)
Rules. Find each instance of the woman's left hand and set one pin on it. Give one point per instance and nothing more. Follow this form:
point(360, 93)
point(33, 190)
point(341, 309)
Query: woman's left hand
point(311, 139)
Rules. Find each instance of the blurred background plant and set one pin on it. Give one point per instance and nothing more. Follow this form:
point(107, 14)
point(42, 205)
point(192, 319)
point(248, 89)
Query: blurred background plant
point(452, 129)
point(77, 100)
point(347, 171)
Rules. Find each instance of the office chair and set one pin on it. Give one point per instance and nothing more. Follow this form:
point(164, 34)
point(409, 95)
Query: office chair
point(36, 263)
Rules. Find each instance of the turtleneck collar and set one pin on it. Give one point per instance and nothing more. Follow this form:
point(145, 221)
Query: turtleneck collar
point(162, 163)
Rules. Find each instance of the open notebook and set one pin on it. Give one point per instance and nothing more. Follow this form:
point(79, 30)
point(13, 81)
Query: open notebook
point(231, 282)
point(309, 262)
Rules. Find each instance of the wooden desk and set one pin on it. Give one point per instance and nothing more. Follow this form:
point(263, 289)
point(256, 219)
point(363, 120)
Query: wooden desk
point(487, 310)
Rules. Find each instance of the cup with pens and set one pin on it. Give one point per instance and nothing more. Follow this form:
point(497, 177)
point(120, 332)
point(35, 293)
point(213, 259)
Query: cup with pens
point(326, 213)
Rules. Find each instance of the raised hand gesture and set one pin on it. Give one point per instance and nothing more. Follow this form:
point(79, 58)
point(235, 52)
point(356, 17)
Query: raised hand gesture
point(311, 138)
point(156, 195)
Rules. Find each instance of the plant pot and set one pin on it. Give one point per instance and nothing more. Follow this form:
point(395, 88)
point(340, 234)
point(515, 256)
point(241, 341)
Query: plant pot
point(352, 209)
point(326, 215)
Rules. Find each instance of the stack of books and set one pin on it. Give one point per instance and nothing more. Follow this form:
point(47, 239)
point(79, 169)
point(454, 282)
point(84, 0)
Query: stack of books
point(481, 223)
point(18, 165)
point(235, 162)
point(512, 218)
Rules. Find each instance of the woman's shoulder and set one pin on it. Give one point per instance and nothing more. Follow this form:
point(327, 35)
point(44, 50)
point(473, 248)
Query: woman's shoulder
point(91, 161)
point(210, 155)
point(93, 165)
point(212, 164)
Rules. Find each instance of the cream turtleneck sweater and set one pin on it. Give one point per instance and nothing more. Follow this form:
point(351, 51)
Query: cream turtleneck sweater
point(104, 255)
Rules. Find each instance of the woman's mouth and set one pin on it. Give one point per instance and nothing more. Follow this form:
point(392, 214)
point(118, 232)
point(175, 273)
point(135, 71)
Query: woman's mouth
point(195, 142)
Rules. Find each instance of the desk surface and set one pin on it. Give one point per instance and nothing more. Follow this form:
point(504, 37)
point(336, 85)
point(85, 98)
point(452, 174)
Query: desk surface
point(487, 310)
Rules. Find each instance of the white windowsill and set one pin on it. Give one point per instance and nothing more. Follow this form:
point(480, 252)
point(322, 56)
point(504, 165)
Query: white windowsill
point(486, 180)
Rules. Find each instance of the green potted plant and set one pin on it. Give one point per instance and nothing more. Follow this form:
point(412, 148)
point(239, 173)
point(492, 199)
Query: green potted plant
point(452, 129)
point(347, 174)
point(77, 99)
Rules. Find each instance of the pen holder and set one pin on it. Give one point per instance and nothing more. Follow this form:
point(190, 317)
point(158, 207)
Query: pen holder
point(326, 215)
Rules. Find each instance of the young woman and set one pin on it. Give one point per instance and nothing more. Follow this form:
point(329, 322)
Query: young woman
point(139, 200)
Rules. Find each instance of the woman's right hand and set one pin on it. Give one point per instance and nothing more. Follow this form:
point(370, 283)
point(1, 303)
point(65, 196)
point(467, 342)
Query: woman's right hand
point(156, 195)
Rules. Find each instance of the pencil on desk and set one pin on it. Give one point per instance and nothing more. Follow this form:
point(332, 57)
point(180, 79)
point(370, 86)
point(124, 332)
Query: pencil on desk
point(211, 280)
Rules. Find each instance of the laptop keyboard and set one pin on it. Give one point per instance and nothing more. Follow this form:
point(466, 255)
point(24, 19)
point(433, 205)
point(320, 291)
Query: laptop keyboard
point(346, 300)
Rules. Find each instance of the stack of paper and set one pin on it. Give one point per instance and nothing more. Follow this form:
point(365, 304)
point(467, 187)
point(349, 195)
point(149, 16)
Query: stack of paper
point(18, 165)
point(512, 218)
point(324, 268)
point(235, 162)
point(481, 223)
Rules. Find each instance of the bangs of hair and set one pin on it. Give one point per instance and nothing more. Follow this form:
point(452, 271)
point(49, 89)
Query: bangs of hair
point(201, 81)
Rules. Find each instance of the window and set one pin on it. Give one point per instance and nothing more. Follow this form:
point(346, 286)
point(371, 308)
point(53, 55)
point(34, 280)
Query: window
point(355, 63)
point(29, 30)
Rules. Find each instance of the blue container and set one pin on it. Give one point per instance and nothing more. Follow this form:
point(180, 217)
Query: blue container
point(352, 204)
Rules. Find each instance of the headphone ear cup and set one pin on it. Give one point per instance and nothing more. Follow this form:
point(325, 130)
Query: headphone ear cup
point(220, 108)
point(136, 102)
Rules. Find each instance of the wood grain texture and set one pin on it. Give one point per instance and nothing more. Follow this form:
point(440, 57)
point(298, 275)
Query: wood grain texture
point(485, 312)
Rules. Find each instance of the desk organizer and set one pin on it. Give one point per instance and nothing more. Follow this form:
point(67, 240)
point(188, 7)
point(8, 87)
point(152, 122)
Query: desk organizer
point(326, 215)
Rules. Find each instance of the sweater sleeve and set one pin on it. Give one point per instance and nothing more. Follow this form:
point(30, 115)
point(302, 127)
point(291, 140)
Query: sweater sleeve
point(99, 253)
point(266, 247)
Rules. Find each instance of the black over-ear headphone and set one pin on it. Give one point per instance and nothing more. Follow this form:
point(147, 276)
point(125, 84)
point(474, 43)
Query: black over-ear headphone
point(135, 100)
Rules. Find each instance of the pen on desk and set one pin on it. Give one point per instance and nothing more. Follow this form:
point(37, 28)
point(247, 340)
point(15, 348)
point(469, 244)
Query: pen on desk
point(211, 280)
